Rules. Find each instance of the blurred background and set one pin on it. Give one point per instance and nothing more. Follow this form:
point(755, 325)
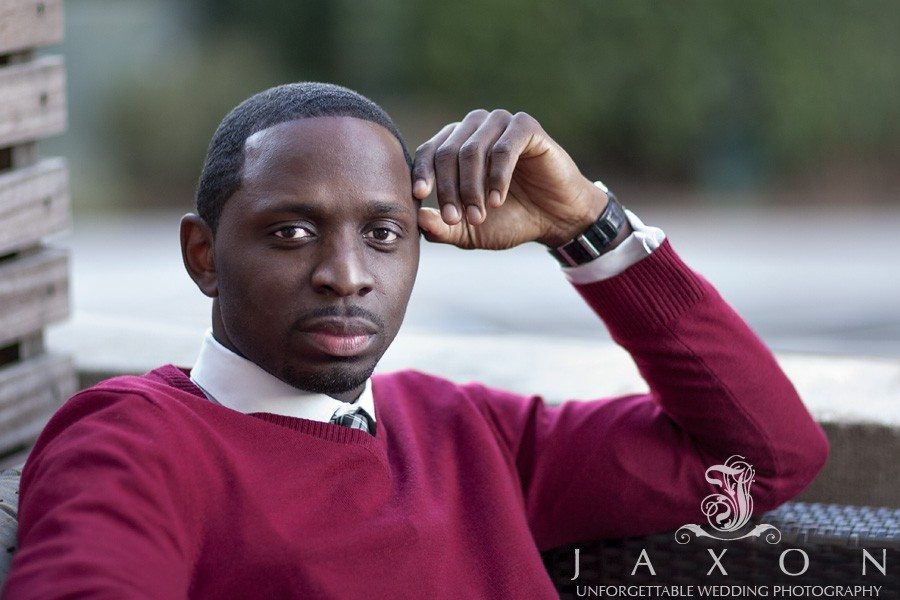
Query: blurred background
point(763, 137)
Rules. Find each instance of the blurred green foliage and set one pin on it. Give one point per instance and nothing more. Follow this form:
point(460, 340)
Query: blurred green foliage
point(728, 93)
point(163, 115)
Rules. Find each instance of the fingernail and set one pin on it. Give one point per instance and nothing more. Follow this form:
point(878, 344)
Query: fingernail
point(420, 187)
point(494, 198)
point(473, 214)
point(449, 213)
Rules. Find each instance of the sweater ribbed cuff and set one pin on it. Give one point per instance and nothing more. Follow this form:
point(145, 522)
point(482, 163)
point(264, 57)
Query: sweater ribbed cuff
point(650, 294)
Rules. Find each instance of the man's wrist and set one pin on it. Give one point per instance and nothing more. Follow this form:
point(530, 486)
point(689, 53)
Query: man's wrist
point(594, 201)
point(602, 235)
point(638, 245)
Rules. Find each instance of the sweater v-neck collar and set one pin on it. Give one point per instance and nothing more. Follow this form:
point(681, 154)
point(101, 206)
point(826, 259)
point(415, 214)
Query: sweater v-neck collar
point(179, 378)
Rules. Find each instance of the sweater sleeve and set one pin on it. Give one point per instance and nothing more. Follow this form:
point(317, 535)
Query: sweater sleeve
point(635, 464)
point(103, 505)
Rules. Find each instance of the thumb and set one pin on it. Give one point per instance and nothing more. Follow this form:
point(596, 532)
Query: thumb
point(435, 229)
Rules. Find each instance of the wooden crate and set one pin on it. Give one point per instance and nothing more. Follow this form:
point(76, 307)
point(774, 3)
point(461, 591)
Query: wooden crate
point(33, 293)
point(32, 100)
point(30, 392)
point(34, 202)
point(26, 25)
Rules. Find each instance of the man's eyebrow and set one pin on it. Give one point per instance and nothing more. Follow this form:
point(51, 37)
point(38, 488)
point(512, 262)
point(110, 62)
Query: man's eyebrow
point(387, 208)
point(289, 206)
point(377, 207)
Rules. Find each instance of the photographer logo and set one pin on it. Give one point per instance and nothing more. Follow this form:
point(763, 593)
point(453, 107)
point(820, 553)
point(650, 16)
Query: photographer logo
point(730, 509)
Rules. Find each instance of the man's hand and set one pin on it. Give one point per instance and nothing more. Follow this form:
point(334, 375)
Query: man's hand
point(502, 181)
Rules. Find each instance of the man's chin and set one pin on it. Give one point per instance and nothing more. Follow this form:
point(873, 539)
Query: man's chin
point(335, 378)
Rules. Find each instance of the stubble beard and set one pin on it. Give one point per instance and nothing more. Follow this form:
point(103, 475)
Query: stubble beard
point(335, 378)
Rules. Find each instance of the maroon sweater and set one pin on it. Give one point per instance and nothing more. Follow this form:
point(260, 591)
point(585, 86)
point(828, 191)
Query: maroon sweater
point(140, 487)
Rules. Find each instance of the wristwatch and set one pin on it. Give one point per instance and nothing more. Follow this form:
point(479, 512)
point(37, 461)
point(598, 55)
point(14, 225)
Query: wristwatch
point(595, 240)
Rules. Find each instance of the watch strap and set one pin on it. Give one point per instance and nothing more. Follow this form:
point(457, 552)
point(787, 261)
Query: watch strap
point(595, 240)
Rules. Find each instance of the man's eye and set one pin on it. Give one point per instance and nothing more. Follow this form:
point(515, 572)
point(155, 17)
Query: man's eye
point(293, 232)
point(383, 234)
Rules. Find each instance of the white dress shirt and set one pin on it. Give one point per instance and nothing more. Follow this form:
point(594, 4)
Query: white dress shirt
point(239, 384)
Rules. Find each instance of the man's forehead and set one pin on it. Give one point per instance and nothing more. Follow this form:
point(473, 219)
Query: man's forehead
point(316, 134)
point(320, 160)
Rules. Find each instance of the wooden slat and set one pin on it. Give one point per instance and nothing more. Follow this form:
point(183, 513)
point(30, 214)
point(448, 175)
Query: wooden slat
point(30, 392)
point(29, 23)
point(34, 202)
point(27, 346)
point(32, 100)
point(23, 155)
point(34, 291)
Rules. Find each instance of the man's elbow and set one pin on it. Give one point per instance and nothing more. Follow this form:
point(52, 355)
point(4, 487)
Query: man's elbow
point(798, 462)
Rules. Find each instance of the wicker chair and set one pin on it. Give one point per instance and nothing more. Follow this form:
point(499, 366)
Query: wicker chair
point(9, 509)
point(833, 537)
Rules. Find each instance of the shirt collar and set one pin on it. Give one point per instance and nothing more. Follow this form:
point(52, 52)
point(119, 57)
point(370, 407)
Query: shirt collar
point(242, 385)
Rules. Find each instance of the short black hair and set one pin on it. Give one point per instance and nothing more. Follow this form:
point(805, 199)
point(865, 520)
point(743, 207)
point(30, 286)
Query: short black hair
point(223, 166)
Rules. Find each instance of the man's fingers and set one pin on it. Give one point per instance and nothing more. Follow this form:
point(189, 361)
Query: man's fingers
point(505, 153)
point(446, 167)
point(473, 162)
point(423, 165)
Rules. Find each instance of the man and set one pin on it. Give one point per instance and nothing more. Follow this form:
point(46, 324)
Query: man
point(279, 466)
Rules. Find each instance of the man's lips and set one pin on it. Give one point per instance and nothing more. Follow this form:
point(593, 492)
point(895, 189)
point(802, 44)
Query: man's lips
point(340, 336)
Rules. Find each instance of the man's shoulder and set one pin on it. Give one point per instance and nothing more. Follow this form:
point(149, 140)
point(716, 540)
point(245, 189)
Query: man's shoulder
point(117, 422)
point(154, 392)
point(163, 379)
point(126, 412)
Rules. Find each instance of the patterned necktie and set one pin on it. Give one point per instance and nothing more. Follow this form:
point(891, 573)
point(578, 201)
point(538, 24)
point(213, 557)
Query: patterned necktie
point(356, 418)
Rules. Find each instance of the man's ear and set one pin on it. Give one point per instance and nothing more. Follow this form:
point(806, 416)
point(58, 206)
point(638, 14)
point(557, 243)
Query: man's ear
point(197, 253)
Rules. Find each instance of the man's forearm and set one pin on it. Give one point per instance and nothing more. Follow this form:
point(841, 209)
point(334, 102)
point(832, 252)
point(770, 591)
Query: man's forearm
point(710, 373)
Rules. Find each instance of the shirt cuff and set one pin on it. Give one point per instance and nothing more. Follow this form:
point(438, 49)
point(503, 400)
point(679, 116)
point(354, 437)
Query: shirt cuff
point(640, 244)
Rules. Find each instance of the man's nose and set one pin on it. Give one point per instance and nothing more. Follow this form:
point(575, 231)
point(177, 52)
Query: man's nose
point(342, 267)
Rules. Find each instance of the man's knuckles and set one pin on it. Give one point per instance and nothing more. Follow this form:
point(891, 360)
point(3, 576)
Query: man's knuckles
point(446, 153)
point(478, 115)
point(472, 151)
point(523, 118)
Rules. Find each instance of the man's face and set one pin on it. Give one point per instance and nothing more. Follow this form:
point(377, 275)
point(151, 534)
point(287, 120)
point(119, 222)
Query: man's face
point(317, 252)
